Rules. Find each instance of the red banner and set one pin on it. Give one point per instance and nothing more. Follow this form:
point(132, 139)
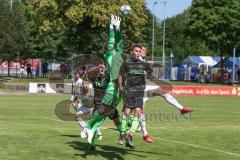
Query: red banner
point(206, 90)
point(16, 64)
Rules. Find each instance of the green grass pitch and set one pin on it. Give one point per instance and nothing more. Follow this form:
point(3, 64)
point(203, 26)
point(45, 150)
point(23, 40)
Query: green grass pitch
point(29, 130)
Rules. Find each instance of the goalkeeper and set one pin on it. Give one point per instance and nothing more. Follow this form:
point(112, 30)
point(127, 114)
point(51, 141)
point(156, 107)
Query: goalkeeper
point(113, 61)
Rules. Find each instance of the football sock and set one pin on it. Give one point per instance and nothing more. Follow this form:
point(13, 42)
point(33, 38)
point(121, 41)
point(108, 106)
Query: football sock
point(98, 131)
point(98, 123)
point(119, 127)
point(81, 123)
point(93, 119)
point(142, 122)
point(123, 123)
point(135, 124)
point(169, 98)
point(93, 143)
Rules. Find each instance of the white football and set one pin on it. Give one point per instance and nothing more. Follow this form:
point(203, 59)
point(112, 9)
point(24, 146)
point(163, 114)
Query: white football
point(126, 9)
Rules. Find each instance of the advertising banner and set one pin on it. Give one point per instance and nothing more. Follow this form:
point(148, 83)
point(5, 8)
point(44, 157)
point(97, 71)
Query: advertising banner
point(50, 88)
point(206, 90)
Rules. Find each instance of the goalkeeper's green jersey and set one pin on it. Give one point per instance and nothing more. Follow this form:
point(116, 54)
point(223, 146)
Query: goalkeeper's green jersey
point(113, 59)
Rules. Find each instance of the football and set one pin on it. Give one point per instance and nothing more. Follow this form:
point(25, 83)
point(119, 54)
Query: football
point(126, 9)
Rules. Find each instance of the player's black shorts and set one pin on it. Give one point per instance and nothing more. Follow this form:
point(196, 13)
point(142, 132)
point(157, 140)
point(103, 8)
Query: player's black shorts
point(111, 115)
point(133, 98)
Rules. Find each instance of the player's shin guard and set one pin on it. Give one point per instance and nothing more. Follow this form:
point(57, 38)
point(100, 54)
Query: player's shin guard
point(119, 127)
point(123, 126)
point(91, 132)
point(93, 119)
point(135, 124)
point(98, 123)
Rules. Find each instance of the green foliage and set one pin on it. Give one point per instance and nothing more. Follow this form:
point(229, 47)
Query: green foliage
point(179, 40)
point(217, 23)
point(57, 29)
point(146, 35)
point(81, 26)
point(14, 32)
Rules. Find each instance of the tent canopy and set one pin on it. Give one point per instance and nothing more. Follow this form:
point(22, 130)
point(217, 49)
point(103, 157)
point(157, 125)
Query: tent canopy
point(228, 62)
point(196, 60)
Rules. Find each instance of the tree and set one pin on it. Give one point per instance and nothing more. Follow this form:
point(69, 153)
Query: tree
point(13, 33)
point(82, 26)
point(179, 39)
point(216, 22)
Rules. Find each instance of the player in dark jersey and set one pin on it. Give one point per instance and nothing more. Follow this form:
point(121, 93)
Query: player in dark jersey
point(132, 83)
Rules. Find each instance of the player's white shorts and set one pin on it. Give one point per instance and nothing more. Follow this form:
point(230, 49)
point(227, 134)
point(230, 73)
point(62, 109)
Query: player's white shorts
point(149, 89)
point(84, 110)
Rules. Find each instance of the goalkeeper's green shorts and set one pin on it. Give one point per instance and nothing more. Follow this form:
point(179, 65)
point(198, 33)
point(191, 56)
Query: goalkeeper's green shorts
point(112, 98)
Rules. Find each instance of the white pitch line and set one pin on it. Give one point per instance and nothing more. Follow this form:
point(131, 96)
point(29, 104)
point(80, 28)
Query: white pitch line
point(198, 146)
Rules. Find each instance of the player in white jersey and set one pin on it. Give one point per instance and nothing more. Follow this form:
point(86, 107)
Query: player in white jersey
point(152, 89)
point(155, 90)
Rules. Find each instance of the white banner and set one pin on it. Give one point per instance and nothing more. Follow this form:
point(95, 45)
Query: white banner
point(50, 88)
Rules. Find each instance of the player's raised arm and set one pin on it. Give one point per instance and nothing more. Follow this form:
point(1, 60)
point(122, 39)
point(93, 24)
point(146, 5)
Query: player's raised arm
point(111, 38)
point(118, 35)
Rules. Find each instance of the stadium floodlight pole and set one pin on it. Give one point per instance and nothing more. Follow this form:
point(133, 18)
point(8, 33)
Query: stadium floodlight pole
point(163, 47)
point(11, 4)
point(171, 59)
point(153, 29)
point(234, 58)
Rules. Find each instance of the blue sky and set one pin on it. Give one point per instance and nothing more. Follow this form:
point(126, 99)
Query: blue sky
point(173, 7)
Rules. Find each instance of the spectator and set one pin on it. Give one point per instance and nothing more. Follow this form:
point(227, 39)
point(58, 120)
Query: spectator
point(68, 69)
point(225, 76)
point(29, 70)
point(197, 77)
point(238, 74)
point(202, 76)
point(208, 77)
point(192, 76)
point(45, 69)
point(22, 70)
point(63, 71)
point(37, 70)
point(230, 72)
